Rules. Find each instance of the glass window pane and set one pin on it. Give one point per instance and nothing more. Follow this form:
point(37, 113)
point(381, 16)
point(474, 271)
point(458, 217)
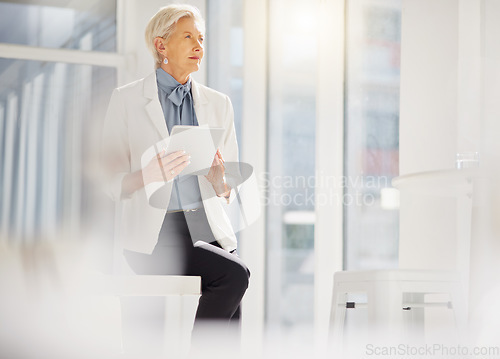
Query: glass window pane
point(371, 133)
point(224, 56)
point(52, 119)
point(44, 25)
point(291, 165)
point(225, 52)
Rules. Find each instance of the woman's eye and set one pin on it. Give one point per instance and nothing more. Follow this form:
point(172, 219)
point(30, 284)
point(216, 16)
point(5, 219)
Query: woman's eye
point(188, 36)
point(201, 39)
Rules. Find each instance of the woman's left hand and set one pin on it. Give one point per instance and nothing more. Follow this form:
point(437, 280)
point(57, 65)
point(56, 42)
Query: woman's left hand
point(216, 175)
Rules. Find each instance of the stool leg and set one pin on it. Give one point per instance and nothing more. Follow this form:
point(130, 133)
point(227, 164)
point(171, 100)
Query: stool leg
point(338, 319)
point(414, 327)
point(173, 325)
point(385, 311)
point(189, 306)
point(142, 325)
point(460, 313)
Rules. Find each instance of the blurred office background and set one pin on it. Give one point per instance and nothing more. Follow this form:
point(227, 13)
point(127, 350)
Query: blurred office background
point(51, 113)
point(60, 60)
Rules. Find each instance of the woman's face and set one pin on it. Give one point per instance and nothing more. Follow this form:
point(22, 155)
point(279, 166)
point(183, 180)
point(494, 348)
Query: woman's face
point(184, 48)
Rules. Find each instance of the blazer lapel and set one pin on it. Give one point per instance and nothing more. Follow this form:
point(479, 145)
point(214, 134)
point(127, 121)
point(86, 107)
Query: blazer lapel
point(200, 103)
point(153, 108)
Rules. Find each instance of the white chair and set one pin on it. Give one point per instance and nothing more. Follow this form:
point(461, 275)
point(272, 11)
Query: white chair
point(181, 295)
point(389, 295)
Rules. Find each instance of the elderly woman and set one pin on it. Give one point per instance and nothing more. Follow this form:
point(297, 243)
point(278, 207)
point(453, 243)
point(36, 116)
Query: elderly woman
point(191, 235)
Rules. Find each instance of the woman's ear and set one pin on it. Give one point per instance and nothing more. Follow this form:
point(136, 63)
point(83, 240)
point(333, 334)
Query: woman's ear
point(160, 45)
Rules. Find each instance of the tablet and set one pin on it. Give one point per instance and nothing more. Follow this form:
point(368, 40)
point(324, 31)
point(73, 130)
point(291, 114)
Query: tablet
point(200, 142)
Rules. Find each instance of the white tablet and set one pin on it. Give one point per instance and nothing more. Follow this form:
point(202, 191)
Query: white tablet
point(200, 142)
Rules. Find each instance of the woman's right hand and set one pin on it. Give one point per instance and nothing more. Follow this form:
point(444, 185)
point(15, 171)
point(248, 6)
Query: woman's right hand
point(163, 168)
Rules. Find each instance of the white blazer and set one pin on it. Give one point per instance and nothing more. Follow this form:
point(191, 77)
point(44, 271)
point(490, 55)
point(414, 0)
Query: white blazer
point(134, 122)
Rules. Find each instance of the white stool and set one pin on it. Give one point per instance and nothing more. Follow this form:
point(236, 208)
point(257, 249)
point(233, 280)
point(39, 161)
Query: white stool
point(389, 294)
point(181, 295)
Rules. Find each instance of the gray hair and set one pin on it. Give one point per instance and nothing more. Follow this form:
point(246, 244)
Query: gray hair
point(162, 24)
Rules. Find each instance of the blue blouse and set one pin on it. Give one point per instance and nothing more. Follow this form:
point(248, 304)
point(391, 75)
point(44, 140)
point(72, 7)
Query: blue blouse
point(178, 109)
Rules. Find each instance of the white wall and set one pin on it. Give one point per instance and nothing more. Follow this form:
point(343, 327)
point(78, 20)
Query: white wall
point(450, 86)
point(449, 104)
point(485, 248)
point(429, 63)
point(428, 128)
point(491, 81)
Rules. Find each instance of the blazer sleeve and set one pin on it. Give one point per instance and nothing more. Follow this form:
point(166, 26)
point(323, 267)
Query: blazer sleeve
point(115, 150)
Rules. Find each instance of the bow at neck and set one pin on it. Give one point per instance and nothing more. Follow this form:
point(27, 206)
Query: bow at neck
point(175, 91)
point(179, 93)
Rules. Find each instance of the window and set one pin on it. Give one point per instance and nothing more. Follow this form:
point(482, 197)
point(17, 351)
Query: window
point(41, 24)
point(50, 117)
point(370, 150)
point(52, 111)
point(373, 35)
point(291, 165)
point(225, 52)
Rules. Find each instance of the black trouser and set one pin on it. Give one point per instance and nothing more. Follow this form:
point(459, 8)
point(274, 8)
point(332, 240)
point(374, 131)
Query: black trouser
point(224, 276)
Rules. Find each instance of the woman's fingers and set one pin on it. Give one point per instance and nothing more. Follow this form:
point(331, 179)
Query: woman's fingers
point(217, 165)
point(180, 167)
point(172, 156)
point(175, 167)
point(170, 162)
point(215, 161)
point(216, 173)
point(161, 154)
point(163, 168)
point(174, 163)
point(219, 154)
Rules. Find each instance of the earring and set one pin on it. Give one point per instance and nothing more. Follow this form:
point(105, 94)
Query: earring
point(165, 61)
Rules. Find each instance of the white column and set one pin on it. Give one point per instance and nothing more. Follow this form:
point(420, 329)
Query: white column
point(469, 76)
point(254, 152)
point(491, 82)
point(126, 29)
point(52, 142)
point(19, 185)
point(328, 236)
point(32, 165)
point(219, 38)
point(275, 162)
point(485, 246)
point(3, 174)
point(7, 190)
point(429, 68)
point(428, 129)
point(469, 113)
